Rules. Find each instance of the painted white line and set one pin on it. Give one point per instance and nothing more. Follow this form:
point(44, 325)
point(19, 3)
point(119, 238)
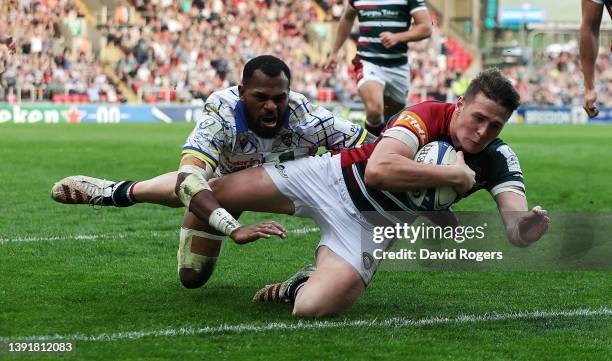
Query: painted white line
point(77, 237)
point(304, 230)
point(308, 325)
point(93, 237)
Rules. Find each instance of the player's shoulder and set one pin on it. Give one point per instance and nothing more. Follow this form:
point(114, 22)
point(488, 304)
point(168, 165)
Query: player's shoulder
point(221, 106)
point(495, 147)
point(211, 125)
point(430, 106)
point(423, 118)
point(499, 153)
point(218, 118)
point(299, 104)
point(228, 96)
point(425, 110)
point(301, 110)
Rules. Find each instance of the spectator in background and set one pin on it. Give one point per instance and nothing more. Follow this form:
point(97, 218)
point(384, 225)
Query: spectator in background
point(381, 64)
point(7, 49)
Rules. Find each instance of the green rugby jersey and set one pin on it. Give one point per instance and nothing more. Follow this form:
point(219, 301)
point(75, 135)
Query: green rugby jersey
point(377, 16)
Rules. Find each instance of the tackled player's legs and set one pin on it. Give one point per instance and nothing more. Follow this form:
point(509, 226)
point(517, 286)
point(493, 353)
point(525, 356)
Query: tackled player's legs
point(332, 288)
point(317, 189)
point(200, 244)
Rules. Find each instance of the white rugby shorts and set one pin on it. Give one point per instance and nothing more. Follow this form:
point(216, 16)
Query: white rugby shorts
point(316, 187)
point(394, 79)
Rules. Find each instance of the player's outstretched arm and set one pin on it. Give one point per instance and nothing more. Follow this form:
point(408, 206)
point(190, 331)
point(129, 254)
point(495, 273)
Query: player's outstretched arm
point(194, 191)
point(391, 167)
point(344, 29)
point(523, 227)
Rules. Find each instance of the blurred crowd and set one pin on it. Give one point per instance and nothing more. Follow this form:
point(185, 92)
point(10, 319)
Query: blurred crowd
point(46, 64)
point(553, 77)
point(201, 46)
point(186, 49)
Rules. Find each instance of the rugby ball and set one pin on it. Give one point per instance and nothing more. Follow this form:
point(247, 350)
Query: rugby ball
point(434, 199)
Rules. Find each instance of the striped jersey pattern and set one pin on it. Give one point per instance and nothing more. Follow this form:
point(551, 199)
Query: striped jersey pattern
point(377, 16)
point(497, 167)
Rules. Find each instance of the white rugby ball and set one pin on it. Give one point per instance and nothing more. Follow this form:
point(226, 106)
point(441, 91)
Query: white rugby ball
point(434, 199)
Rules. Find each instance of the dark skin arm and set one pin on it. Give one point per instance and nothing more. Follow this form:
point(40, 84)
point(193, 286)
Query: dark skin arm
point(204, 202)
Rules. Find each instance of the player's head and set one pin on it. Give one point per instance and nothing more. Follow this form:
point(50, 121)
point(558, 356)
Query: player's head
point(265, 94)
point(484, 110)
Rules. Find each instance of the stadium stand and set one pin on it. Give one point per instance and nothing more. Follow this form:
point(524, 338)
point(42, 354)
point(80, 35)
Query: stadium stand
point(180, 50)
point(196, 48)
point(554, 77)
point(52, 62)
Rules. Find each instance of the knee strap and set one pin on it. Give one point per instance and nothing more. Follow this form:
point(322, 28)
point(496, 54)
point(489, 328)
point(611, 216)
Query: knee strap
point(188, 259)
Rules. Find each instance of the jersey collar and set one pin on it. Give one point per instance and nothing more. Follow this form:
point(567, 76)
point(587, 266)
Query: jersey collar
point(241, 122)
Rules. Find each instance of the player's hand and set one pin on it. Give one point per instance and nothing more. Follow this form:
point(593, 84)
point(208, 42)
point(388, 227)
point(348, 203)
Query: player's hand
point(466, 177)
point(247, 234)
point(331, 63)
point(590, 99)
point(532, 226)
point(389, 39)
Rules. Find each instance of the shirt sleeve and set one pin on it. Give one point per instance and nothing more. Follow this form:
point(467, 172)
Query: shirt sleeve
point(411, 124)
point(403, 135)
point(209, 137)
point(324, 129)
point(416, 5)
point(506, 174)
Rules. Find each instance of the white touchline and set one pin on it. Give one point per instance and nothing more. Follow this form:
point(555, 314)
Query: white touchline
point(76, 237)
point(304, 230)
point(92, 237)
point(398, 322)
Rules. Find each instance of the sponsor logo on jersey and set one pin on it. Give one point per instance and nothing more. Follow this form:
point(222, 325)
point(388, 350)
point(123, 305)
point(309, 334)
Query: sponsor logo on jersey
point(206, 123)
point(379, 12)
point(414, 123)
point(243, 164)
point(235, 162)
point(281, 170)
point(511, 158)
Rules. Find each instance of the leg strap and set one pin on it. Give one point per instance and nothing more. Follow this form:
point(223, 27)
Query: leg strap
point(188, 259)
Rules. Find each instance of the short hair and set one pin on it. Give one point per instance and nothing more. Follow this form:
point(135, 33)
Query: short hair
point(495, 86)
point(268, 64)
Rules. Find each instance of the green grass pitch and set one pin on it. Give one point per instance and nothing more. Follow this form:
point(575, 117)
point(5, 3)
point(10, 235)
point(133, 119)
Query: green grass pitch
point(81, 272)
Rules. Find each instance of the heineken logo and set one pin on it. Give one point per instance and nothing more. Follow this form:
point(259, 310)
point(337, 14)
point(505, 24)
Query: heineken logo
point(40, 114)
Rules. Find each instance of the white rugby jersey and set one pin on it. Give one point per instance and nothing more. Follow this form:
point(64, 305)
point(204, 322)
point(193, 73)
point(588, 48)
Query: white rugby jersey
point(222, 138)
